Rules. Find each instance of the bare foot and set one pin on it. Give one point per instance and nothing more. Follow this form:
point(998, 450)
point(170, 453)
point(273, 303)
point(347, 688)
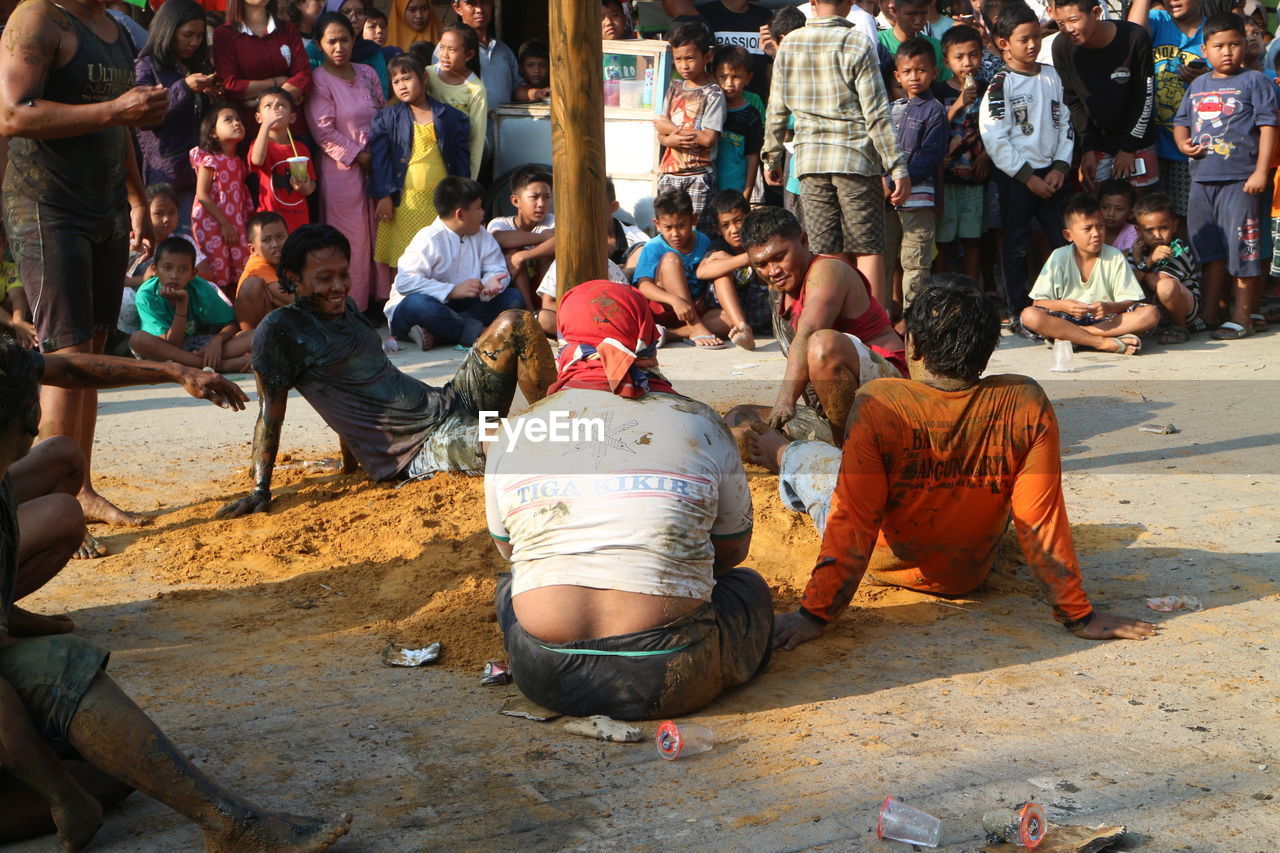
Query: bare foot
point(97, 508)
point(24, 623)
point(765, 447)
point(420, 336)
point(742, 336)
point(277, 832)
point(78, 817)
point(90, 549)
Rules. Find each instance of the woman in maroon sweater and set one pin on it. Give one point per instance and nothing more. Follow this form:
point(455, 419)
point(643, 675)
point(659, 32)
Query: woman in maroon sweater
point(253, 51)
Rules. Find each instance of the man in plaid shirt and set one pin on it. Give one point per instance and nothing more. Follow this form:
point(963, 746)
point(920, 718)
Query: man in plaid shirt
point(828, 76)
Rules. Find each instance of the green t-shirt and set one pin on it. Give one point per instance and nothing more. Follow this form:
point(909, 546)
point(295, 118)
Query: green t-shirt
point(207, 310)
point(891, 44)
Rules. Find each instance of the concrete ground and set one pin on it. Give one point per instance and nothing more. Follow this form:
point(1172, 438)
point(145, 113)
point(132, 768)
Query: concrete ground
point(956, 707)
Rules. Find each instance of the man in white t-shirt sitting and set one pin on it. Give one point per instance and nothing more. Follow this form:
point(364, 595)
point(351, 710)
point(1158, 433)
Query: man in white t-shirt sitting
point(623, 598)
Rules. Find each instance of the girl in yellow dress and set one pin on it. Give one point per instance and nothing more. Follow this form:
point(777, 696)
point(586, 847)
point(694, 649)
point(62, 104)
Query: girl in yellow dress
point(415, 143)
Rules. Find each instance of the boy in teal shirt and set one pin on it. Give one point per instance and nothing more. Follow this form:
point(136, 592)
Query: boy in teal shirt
point(185, 318)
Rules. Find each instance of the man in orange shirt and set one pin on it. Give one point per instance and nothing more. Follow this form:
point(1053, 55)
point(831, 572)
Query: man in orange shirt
point(932, 469)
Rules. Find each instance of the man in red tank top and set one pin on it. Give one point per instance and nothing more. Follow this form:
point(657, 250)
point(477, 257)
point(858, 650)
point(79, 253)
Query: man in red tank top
point(839, 336)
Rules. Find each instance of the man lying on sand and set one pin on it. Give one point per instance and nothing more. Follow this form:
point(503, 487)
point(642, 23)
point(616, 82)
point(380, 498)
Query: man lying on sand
point(70, 740)
point(623, 598)
point(932, 469)
point(388, 422)
point(834, 332)
point(47, 480)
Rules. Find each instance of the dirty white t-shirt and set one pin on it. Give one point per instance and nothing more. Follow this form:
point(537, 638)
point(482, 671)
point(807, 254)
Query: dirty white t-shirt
point(634, 512)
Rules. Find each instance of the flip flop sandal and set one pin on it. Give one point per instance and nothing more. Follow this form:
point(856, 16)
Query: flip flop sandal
point(690, 342)
point(1258, 321)
point(1171, 335)
point(1231, 332)
point(1126, 341)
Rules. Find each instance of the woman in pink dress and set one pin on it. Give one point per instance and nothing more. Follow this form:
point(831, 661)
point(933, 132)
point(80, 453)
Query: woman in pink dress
point(344, 98)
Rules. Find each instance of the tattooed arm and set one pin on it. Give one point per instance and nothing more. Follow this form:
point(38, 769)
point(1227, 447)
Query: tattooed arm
point(37, 39)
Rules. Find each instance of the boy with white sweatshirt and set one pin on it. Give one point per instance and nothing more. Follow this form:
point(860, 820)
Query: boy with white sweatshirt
point(1026, 129)
point(451, 281)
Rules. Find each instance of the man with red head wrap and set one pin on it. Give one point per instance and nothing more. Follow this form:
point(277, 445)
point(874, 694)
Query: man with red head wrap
point(623, 598)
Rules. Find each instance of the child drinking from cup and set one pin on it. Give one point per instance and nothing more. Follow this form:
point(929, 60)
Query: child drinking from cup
point(283, 165)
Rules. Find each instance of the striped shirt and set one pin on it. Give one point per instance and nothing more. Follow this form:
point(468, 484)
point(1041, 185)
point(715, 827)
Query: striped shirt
point(826, 74)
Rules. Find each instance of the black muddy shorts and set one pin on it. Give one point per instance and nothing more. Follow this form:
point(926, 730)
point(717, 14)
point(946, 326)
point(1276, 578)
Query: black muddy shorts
point(73, 269)
point(667, 671)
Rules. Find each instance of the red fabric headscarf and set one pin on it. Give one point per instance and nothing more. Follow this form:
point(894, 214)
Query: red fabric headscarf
point(610, 341)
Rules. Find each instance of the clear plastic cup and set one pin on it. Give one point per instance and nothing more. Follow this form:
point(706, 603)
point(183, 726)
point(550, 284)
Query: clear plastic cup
point(1063, 355)
point(298, 168)
point(683, 740)
point(899, 822)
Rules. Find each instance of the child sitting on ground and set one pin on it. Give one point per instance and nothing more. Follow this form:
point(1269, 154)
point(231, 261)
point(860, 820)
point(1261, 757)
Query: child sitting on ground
point(1116, 199)
point(451, 282)
point(528, 238)
point(667, 270)
point(1166, 269)
point(535, 70)
point(162, 209)
point(1086, 292)
point(279, 188)
point(739, 299)
point(738, 152)
point(691, 121)
point(259, 291)
point(622, 240)
point(185, 318)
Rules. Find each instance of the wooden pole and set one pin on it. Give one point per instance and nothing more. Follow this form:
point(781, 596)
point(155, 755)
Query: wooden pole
point(577, 141)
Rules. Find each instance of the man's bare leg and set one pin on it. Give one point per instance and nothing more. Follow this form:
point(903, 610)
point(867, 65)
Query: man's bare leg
point(75, 414)
point(54, 466)
point(115, 736)
point(872, 266)
point(27, 813)
point(834, 371)
point(23, 752)
point(515, 343)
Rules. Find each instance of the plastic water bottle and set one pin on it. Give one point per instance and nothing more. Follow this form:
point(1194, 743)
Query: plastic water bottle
point(1063, 354)
point(612, 82)
point(683, 740)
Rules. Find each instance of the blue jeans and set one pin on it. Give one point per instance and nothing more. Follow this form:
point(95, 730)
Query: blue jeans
point(1019, 207)
point(460, 320)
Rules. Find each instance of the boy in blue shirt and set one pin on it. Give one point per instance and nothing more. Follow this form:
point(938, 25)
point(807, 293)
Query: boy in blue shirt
point(667, 271)
point(1227, 126)
point(738, 155)
point(185, 318)
point(920, 123)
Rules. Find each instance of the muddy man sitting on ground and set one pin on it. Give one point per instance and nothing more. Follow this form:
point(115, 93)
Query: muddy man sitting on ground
point(625, 596)
point(931, 472)
point(70, 740)
point(389, 423)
